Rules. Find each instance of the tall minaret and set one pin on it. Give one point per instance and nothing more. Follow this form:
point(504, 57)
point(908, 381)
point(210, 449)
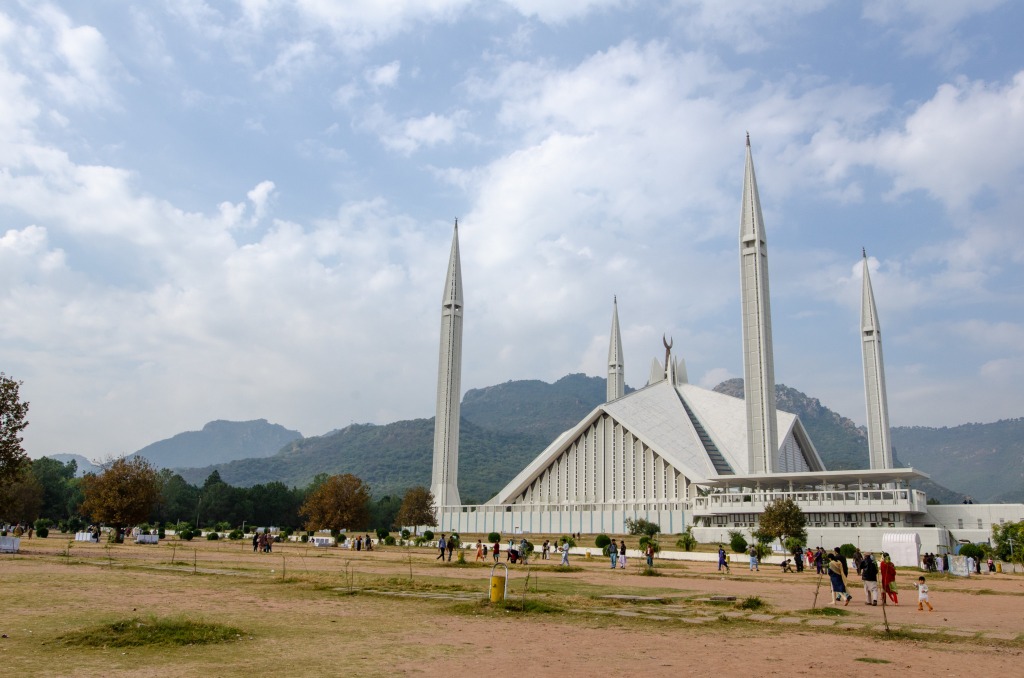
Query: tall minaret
point(444, 481)
point(758, 363)
point(616, 369)
point(879, 441)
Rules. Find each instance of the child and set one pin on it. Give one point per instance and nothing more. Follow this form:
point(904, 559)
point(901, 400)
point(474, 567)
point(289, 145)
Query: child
point(922, 595)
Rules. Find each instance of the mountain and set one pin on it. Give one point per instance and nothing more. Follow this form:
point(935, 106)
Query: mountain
point(84, 465)
point(219, 442)
point(506, 426)
point(984, 460)
point(389, 458)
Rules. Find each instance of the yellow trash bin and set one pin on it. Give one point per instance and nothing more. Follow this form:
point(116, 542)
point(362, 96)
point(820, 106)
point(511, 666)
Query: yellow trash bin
point(999, 567)
point(497, 588)
point(499, 583)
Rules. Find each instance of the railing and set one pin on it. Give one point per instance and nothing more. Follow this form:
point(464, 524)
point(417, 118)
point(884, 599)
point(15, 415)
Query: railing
point(902, 499)
point(619, 506)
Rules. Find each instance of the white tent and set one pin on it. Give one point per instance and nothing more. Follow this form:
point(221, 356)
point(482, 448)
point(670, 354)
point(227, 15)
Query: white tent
point(904, 548)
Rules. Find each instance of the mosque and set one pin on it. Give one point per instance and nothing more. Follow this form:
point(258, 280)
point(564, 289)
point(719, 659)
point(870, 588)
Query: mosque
point(684, 456)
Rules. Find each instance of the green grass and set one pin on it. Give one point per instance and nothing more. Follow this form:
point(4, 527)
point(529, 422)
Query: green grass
point(751, 603)
point(872, 660)
point(650, 572)
point(150, 632)
point(827, 612)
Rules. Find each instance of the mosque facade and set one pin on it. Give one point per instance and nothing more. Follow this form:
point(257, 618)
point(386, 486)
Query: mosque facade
point(688, 457)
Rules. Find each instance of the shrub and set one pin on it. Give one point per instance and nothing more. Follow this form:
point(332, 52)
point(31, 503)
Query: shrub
point(419, 541)
point(454, 539)
point(186, 534)
point(43, 532)
point(642, 526)
point(428, 535)
point(406, 534)
point(161, 533)
point(42, 524)
point(751, 603)
point(212, 536)
point(222, 526)
point(686, 540)
point(493, 537)
point(305, 538)
point(389, 540)
point(381, 533)
point(646, 539)
point(235, 535)
point(737, 542)
point(602, 540)
point(565, 537)
point(340, 539)
point(847, 550)
point(75, 525)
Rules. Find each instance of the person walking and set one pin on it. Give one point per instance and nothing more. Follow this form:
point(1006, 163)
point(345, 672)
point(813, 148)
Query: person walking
point(496, 549)
point(451, 545)
point(565, 553)
point(869, 573)
point(819, 560)
point(887, 572)
point(622, 554)
point(922, 595)
point(524, 548)
point(613, 551)
point(479, 550)
point(838, 580)
point(754, 566)
point(650, 554)
point(255, 542)
point(723, 560)
point(441, 546)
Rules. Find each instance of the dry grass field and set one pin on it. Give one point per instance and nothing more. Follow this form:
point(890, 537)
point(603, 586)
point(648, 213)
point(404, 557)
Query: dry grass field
point(217, 609)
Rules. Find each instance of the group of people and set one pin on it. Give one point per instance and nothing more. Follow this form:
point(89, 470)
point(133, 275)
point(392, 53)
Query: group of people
point(876, 575)
point(361, 542)
point(262, 542)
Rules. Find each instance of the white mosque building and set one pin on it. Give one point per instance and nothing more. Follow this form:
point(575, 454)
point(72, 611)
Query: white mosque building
point(684, 456)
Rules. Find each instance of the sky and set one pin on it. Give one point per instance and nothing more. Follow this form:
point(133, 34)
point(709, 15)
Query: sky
point(243, 210)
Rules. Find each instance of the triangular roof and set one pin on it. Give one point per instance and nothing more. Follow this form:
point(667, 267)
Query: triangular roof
point(657, 415)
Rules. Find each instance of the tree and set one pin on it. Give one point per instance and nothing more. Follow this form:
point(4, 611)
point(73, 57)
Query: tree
point(12, 422)
point(340, 502)
point(57, 481)
point(417, 508)
point(1009, 541)
point(642, 526)
point(21, 499)
point(123, 495)
point(783, 518)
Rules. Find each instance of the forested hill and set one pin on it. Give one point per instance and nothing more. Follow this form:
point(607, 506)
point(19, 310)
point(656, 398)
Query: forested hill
point(986, 461)
point(389, 458)
point(219, 441)
point(505, 426)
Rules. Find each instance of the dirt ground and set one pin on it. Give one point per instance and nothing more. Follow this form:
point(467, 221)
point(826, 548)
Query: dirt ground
point(307, 611)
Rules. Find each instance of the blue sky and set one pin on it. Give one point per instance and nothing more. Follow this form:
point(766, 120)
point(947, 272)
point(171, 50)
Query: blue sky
point(243, 210)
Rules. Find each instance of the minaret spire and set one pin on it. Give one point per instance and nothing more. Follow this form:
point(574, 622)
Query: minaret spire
point(444, 482)
point(758, 359)
point(879, 440)
point(616, 366)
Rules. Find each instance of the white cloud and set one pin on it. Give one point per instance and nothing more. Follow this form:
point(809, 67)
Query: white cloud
point(429, 130)
point(928, 27)
point(260, 196)
point(293, 61)
point(383, 76)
